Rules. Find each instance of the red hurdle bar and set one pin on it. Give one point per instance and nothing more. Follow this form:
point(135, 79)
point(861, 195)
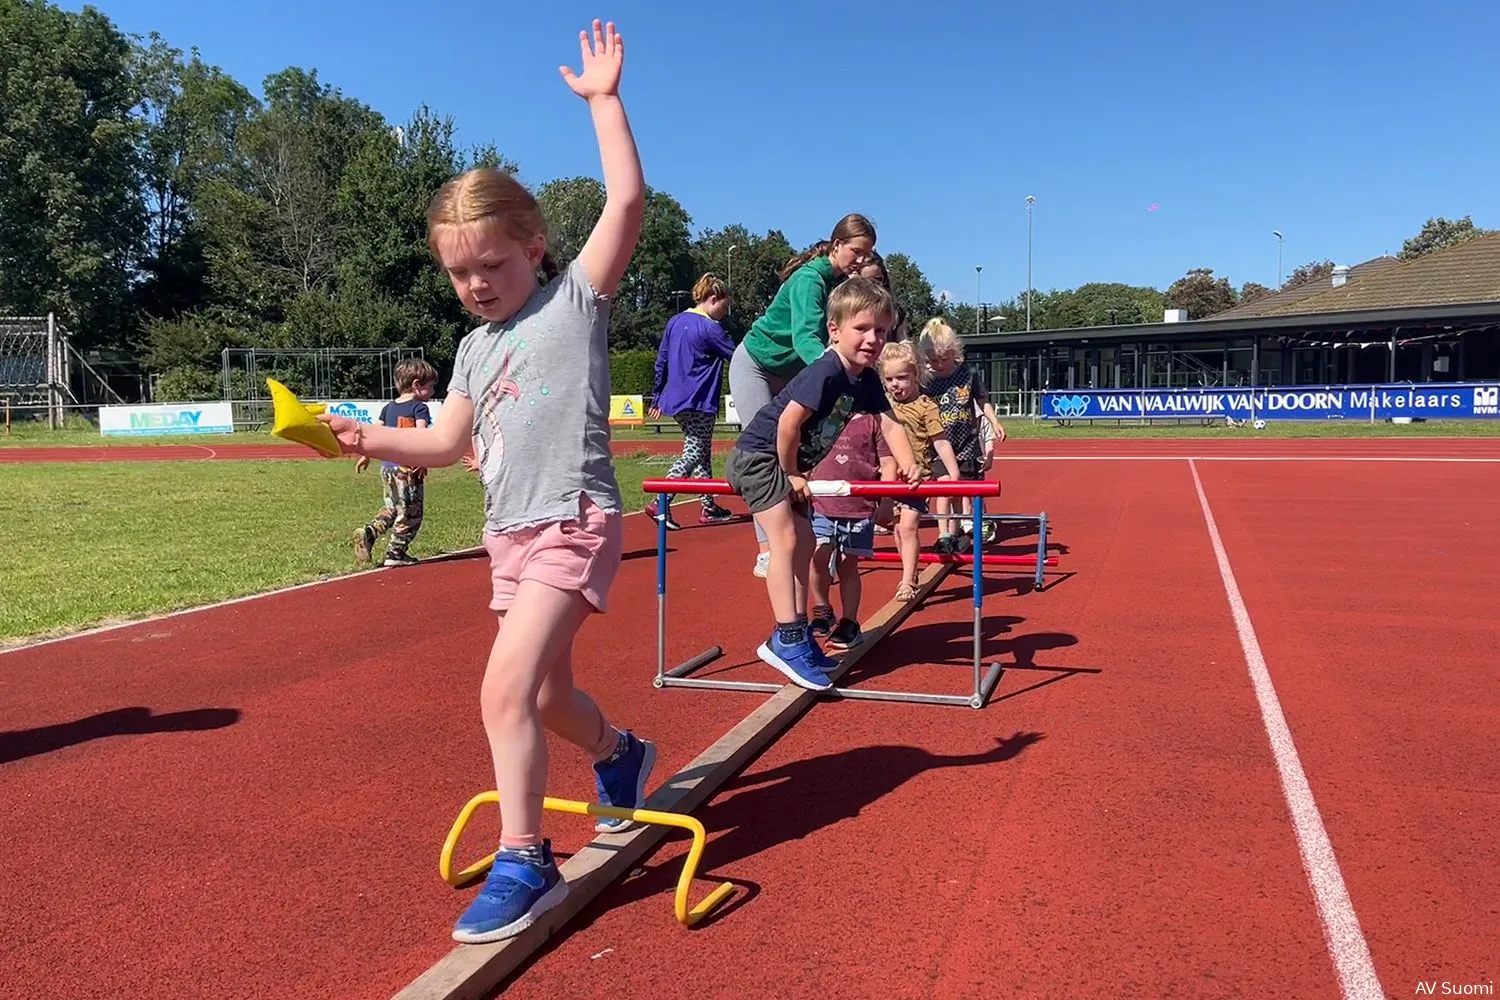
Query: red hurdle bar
point(834, 487)
point(960, 560)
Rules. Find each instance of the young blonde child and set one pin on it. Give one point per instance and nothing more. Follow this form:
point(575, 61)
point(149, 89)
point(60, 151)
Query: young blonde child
point(771, 461)
point(924, 429)
point(404, 486)
point(961, 399)
point(530, 388)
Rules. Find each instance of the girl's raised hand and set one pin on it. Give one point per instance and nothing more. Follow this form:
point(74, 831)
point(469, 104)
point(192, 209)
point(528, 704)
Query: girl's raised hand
point(601, 63)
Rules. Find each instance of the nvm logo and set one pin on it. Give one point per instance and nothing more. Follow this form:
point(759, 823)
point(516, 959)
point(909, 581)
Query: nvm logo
point(1070, 406)
point(1487, 400)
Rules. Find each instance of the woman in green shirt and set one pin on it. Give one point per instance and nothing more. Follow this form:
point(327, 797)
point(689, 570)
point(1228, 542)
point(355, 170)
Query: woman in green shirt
point(793, 331)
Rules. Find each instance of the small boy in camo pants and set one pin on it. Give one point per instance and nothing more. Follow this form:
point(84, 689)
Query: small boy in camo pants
point(401, 515)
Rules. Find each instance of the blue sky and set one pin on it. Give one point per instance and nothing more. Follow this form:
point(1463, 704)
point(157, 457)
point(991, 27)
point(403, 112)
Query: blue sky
point(1343, 125)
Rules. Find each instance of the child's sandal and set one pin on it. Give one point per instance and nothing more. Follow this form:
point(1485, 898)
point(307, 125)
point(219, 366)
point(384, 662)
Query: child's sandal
point(905, 592)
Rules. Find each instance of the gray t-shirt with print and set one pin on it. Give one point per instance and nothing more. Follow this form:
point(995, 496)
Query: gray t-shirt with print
point(540, 386)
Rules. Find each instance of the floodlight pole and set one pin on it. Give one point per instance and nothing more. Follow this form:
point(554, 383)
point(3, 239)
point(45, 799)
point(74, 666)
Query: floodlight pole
point(1030, 200)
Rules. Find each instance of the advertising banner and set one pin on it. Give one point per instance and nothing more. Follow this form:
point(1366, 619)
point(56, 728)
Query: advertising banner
point(166, 418)
point(1433, 401)
point(367, 411)
point(627, 410)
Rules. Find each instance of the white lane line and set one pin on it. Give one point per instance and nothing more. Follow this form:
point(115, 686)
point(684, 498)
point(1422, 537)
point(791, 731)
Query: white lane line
point(1346, 942)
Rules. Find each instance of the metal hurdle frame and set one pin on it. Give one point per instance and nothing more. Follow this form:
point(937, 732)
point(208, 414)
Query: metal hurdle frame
point(985, 678)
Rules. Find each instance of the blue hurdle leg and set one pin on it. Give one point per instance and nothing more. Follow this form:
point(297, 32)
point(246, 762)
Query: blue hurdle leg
point(661, 586)
point(1041, 551)
point(978, 541)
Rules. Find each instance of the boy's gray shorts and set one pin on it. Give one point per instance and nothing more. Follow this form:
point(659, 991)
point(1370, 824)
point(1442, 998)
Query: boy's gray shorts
point(758, 479)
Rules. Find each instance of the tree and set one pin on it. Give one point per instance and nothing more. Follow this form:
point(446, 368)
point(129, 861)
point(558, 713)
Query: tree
point(912, 290)
point(659, 281)
point(382, 201)
point(750, 270)
point(1200, 293)
point(1250, 291)
point(71, 214)
point(1439, 234)
point(661, 267)
point(1318, 270)
point(571, 206)
point(191, 114)
point(1100, 304)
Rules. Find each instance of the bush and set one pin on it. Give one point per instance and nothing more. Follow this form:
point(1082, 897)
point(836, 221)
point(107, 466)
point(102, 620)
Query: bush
point(184, 384)
point(631, 373)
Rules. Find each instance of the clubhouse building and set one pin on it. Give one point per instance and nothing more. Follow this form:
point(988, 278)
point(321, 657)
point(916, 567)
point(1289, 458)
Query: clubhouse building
point(1429, 320)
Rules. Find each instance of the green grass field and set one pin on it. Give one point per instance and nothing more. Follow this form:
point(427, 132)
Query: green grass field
point(97, 543)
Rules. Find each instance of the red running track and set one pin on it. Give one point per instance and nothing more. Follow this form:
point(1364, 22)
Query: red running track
point(1112, 825)
point(249, 801)
point(1375, 599)
point(1249, 447)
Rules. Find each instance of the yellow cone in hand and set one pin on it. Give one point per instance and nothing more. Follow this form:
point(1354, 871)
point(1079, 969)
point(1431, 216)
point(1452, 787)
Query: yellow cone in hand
point(294, 421)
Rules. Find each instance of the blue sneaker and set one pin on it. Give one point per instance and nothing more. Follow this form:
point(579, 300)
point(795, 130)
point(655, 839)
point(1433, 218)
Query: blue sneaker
point(802, 662)
point(519, 889)
point(621, 780)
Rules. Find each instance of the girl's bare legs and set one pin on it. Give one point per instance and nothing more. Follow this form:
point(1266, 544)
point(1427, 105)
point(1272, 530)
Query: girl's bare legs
point(851, 587)
point(535, 636)
point(528, 684)
point(791, 648)
point(907, 543)
point(790, 541)
point(941, 507)
point(820, 578)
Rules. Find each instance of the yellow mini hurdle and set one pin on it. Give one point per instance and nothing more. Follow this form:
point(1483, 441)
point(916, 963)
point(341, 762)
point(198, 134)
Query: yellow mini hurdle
point(685, 915)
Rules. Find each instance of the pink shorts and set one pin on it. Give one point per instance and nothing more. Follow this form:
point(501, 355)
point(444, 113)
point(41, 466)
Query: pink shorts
point(582, 556)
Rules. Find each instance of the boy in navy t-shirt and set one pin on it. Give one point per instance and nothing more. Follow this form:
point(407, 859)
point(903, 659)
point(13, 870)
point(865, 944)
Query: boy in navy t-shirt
point(404, 487)
point(788, 437)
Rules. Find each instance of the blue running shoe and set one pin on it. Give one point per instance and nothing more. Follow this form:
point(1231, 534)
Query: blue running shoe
point(621, 780)
point(521, 886)
point(801, 662)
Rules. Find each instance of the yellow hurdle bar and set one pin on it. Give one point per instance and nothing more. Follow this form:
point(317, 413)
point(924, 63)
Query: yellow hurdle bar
point(685, 916)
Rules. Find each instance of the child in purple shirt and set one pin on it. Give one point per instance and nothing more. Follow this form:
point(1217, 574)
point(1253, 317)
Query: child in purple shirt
point(689, 373)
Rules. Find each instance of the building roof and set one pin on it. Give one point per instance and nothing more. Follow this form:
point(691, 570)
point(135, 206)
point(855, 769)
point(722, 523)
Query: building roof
point(1467, 272)
point(1279, 302)
point(1451, 285)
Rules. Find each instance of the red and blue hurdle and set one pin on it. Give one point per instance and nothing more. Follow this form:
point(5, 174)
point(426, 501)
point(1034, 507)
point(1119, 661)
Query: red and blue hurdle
point(985, 679)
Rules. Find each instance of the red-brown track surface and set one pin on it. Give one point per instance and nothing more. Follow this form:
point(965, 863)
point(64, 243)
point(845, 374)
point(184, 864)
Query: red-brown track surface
point(1112, 825)
point(1082, 447)
point(1377, 601)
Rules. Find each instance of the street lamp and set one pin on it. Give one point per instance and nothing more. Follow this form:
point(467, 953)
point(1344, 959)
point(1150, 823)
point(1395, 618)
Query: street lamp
point(978, 269)
point(729, 279)
point(1030, 200)
point(1277, 233)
